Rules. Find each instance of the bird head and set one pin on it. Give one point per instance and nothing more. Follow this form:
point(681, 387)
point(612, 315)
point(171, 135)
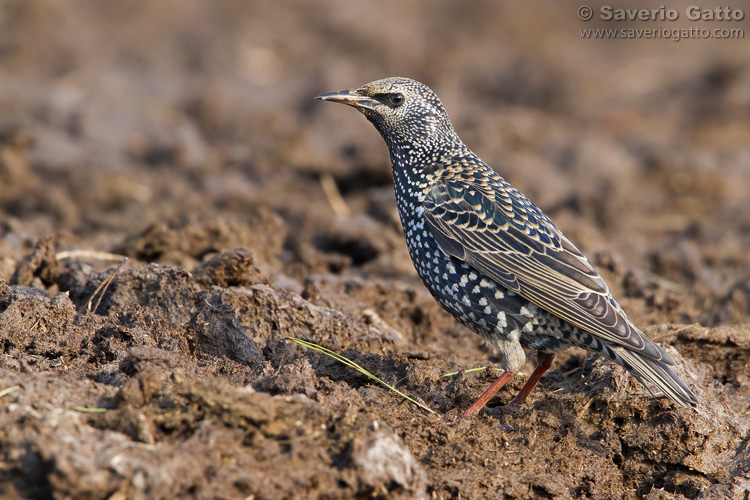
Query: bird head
point(404, 111)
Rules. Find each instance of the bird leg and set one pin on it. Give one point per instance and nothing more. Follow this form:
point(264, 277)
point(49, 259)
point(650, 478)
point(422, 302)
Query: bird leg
point(484, 398)
point(544, 361)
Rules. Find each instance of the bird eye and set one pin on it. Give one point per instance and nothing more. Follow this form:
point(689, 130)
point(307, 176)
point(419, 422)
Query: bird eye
point(397, 99)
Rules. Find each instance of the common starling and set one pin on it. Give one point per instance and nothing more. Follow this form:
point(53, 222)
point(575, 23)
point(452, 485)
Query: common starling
point(491, 257)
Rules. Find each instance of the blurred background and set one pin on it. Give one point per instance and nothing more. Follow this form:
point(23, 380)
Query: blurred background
point(165, 130)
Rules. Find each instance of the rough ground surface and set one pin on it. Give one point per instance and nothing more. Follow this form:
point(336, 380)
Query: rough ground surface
point(183, 135)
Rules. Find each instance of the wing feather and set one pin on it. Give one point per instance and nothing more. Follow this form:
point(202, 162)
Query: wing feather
point(503, 235)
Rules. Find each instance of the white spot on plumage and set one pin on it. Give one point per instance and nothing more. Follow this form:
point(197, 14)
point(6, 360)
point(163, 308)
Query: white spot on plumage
point(501, 320)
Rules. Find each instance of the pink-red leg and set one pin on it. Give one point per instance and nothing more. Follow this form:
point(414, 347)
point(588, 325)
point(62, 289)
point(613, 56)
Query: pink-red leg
point(484, 398)
point(544, 362)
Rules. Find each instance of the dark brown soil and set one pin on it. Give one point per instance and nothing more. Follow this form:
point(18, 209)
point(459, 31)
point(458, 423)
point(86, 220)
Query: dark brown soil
point(183, 136)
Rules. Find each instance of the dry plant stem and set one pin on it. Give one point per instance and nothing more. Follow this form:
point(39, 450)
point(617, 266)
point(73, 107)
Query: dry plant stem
point(103, 288)
point(337, 202)
point(88, 254)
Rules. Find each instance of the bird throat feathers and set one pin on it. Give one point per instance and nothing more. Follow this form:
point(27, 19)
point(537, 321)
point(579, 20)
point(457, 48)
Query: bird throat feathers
point(421, 129)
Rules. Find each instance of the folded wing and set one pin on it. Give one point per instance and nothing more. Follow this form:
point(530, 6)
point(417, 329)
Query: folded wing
point(502, 234)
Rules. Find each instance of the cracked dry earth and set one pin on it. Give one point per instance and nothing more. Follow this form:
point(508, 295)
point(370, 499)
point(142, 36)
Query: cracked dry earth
point(186, 140)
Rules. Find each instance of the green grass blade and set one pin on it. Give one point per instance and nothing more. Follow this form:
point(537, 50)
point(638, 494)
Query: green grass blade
point(360, 369)
point(453, 374)
point(84, 409)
